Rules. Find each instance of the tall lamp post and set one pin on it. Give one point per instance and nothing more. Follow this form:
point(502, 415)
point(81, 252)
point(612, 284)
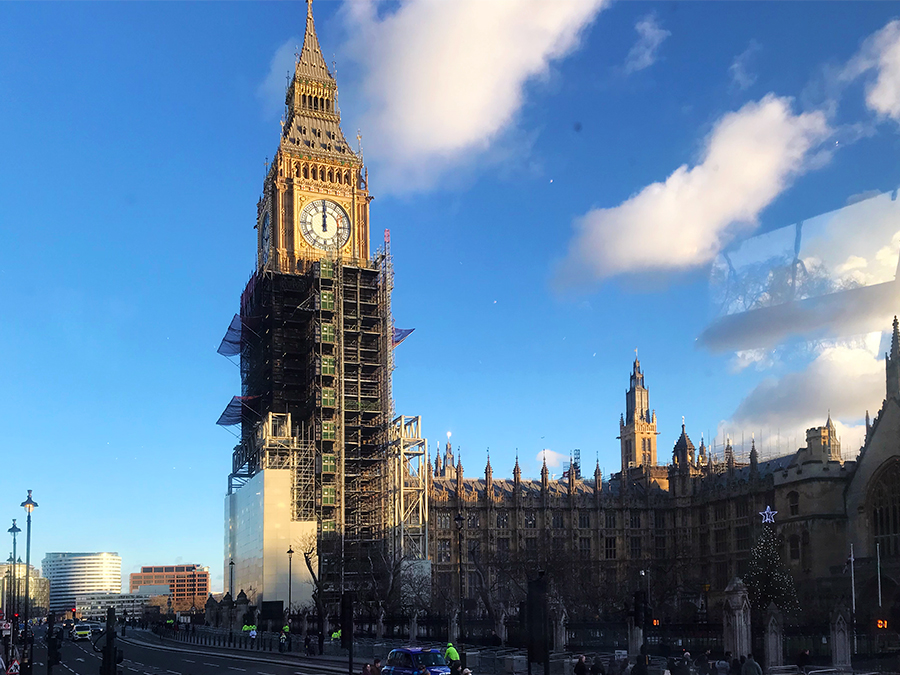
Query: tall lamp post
point(290, 553)
point(231, 578)
point(458, 519)
point(29, 505)
point(15, 584)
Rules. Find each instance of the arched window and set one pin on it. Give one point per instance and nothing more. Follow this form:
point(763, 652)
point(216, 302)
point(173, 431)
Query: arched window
point(306, 171)
point(338, 177)
point(346, 178)
point(794, 503)
point(794, 547)
point(331, 176)
point(303, 100)
point(885, 511)
point(314, 173)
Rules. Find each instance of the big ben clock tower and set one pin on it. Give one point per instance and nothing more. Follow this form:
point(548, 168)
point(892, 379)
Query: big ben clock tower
point(314, 338)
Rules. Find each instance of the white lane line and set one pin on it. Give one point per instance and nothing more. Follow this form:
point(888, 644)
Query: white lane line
point(189, 661)
point(243, 670)
point(262, 673)
point(174, 672)
point(82, 660)
point(214, 665)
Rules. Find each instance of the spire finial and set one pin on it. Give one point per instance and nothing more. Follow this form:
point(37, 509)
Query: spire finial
point(895, 340)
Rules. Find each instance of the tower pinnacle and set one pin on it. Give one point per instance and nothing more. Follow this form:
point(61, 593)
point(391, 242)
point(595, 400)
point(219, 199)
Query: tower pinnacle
point(311, 64)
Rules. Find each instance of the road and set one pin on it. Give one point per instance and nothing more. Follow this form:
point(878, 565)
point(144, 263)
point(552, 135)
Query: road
point(145, 659)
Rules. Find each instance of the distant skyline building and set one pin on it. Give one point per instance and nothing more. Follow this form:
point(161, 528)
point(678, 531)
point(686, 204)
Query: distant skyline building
point(74, 574)
point(188, 584)
point(39, 589)
point(94, 605)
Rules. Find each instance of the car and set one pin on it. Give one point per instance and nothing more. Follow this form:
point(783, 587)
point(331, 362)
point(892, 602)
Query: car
point(411, 660)
point(82, 631)
point(96, 627)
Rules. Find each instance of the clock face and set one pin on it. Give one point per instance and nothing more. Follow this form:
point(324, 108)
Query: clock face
point(266, 236)
point(325, 224)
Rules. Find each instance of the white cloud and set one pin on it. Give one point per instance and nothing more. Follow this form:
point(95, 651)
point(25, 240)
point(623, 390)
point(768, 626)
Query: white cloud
point(650, 37)
point(554, 459)
point(741, 77)
point(750, 157)
point(881, 53)
point(845, 378)
point(445, 79)
point(271, 90)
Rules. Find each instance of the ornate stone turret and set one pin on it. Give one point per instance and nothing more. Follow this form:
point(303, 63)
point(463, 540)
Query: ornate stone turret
point(437, 464)
point(754, 457)
point(683, 452)
point(459, 478)
point(488, 480)
point(545, 476)
point(572, 473)
point(892, 364)
point(701, 458)
point(598, 480)
point(637, 428)
point(729, 457)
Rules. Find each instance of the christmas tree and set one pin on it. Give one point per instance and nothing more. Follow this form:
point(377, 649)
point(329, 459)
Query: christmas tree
point(767, 579)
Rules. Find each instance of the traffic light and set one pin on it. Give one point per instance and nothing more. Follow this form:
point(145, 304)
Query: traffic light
point(655, 622)
point(881, 624)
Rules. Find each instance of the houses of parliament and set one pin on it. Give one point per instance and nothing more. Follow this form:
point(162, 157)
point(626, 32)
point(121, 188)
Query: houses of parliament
point(680, 531)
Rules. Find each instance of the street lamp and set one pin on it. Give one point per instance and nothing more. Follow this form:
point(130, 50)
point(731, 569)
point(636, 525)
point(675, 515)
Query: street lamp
point(290, 553)
point(29, 505)
point(15, 584)
point(458, 519)
point(231, 578)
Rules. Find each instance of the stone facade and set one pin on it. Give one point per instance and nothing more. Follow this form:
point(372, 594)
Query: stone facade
point(681, 531)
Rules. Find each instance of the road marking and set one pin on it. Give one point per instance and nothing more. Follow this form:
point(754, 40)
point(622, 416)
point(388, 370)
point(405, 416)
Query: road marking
point(262, 673)
point(189, 661)
point(82, 660)
point(214, 665)
point(174, 672)
point(243, 670)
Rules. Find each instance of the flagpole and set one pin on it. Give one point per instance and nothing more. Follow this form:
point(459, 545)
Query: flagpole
point(853, 593)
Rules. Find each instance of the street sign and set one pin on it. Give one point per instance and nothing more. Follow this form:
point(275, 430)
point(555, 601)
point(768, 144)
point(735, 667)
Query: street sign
point(13, 668)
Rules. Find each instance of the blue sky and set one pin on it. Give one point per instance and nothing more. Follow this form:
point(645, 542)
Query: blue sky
point(526, 158)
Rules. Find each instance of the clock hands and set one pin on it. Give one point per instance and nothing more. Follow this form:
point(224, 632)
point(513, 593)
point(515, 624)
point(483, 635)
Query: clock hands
point(324, 218)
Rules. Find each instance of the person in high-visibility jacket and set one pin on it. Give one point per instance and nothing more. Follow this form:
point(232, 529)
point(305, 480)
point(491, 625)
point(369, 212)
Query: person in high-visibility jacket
point(452, 657)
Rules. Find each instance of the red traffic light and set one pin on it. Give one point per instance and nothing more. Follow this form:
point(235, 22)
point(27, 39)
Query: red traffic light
point(655, 622)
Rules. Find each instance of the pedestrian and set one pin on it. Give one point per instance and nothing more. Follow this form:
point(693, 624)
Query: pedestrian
point(803, 660)
point(307, 645)
point(452, 657)
point(597, 667)
point(703, 665)
point(253, 636)
point(282, 641)
point(367, 670)
point(723, 664)
point(751, 667)
point(581, 666)
point(376, 667)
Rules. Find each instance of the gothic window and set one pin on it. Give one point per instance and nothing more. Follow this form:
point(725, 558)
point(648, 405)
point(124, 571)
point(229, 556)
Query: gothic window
point(794, 546)
point(610, 548)
point(794, 503)
point(660, 547)
point(297, 170)
point(503, 520)
point(584, 519)
point(473, 521)
point(346, 178)
point(659, 520)
point(721, 539)
point(557, 521)
point(338, 177)
point(742, 508)
point(314, 173)
point(721, 574)
point(331, 176)
point(885, 500)
point(635, 520)
point(721, 511)
point(306, 171)
point(443, 520)
point(474, 549)
point(443, 550)
point(635, 547)
point(742, 538)
point(629, 457)
point(303, 100)
point(703, 515)
point(584, 548)
point(610, 520)
point(530, 520)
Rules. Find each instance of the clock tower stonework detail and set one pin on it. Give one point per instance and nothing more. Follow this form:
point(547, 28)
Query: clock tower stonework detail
point(315, 200)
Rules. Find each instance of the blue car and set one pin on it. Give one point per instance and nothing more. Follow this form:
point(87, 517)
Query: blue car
point(411, 660)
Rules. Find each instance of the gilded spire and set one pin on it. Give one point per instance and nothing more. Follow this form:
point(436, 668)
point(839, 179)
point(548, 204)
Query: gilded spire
point(311, 64)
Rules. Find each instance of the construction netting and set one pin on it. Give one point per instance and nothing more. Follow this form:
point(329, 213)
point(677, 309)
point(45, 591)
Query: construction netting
point(235, 411)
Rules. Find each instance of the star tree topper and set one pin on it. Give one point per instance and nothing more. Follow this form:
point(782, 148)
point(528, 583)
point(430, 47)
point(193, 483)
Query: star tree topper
point(768, 515)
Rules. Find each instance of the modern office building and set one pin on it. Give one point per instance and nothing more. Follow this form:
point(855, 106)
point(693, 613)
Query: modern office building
point(94, 605)
point(188, 584)
point(12, 590)
point(74, 574)
point(318, 450)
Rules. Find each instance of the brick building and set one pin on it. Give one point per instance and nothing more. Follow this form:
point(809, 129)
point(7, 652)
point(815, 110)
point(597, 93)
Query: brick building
point(188, 584)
